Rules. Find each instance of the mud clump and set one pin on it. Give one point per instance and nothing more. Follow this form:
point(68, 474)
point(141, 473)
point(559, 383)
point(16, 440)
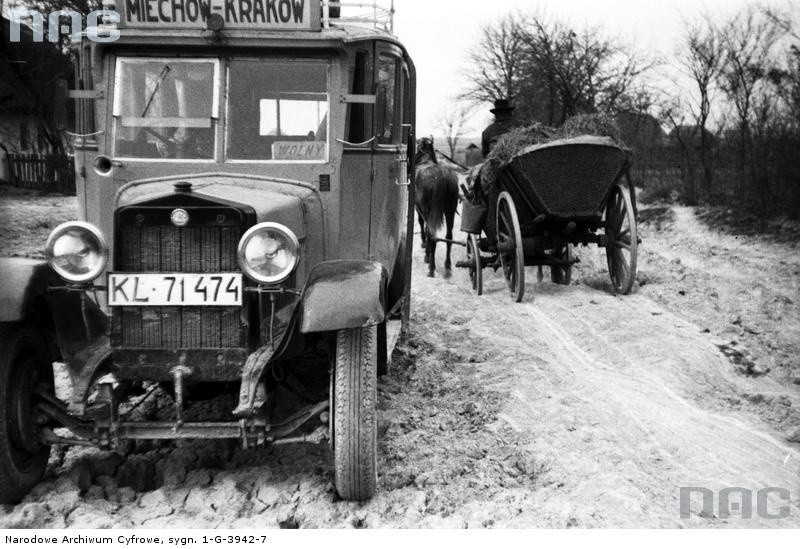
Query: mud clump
point(26, 515)
point(289, 523)
point(81, 475)
point(138, 472)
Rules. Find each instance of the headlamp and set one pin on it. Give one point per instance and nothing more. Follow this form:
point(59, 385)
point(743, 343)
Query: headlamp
point(268, 253)
point(77, 251)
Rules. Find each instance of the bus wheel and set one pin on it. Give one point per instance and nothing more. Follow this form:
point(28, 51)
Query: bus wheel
point(354, 382)
point(25, 369)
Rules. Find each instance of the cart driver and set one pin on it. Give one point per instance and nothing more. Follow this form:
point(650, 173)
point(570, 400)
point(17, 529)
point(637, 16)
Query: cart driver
point(486, 186)
point(503, 112)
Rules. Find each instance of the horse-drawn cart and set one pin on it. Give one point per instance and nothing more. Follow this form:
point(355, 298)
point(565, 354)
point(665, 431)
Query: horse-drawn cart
point(553, 196)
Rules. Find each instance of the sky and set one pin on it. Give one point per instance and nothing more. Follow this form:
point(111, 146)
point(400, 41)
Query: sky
point(440, 33)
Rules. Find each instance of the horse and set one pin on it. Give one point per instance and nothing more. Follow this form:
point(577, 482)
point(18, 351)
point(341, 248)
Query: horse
point(436, 198)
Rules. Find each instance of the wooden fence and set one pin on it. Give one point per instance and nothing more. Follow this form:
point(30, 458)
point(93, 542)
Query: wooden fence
point(43, 173)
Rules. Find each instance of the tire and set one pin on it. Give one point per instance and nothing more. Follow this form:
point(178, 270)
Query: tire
point(355, 444)
point(509, 246)
point(475, 269)
point(622, 240)
point(24, 365)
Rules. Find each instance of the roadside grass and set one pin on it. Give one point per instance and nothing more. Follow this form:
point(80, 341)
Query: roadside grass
point(27, 217)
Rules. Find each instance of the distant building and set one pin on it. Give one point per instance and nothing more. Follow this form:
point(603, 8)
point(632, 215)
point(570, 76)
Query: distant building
point(472, 155)
point(466, 153)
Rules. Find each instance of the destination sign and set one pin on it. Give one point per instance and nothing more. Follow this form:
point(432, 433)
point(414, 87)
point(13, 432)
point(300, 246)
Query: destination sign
point(250, 14)
point(292, 150)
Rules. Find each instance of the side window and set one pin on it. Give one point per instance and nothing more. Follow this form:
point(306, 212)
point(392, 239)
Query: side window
point(386, 126)
point(358, 120)
point(406, 105)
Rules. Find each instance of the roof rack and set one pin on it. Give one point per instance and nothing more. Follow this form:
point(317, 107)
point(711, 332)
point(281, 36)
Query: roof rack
point(371, 14)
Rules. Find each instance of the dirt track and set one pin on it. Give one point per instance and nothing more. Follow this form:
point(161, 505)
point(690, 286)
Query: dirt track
point(573, 408)
point(625, 401)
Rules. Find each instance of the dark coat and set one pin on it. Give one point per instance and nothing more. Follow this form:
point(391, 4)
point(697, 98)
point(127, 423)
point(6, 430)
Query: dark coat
point(503, 124)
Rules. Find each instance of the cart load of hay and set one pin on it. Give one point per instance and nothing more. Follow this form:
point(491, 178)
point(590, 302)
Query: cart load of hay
point(482, 179)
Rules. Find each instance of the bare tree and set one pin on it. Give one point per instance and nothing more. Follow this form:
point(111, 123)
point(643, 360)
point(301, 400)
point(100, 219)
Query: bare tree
point(28, 75)
point(494, 62)
point(701, 56)
point(453, 124)
point(784, 74)
point(29, 72)
point(582, 71)
point(744, 78)
point(551, 70)
point(749, 39)
point(683, 136)
point(789, 87)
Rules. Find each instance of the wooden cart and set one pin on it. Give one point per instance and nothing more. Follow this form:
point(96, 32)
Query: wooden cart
point(554, 196)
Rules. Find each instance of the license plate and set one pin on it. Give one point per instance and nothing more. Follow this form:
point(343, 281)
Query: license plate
point(180, 289)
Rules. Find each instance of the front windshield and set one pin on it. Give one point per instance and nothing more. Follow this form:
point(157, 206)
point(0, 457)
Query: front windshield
point(277, 110)
point(165, 108)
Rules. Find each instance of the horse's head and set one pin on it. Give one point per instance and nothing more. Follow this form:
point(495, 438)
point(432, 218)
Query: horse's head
point(425, 150)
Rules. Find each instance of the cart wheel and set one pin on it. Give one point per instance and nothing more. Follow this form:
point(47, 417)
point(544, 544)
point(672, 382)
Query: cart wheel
point(475, 269)
point(25, 368)
point(622, 240)
point(562, 274)
point(509, 246)
point(354, 392)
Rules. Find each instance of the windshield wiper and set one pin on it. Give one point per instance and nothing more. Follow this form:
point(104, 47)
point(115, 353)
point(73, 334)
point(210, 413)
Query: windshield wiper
point(161, 76)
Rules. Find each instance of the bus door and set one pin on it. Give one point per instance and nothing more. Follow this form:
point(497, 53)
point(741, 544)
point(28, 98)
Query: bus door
point(390, 183)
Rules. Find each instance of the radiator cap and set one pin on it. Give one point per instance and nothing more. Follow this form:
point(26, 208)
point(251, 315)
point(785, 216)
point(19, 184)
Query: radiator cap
point(183, 187)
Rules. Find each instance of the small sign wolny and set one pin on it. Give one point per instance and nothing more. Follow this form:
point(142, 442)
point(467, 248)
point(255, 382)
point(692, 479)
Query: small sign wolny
point(736, 501)
point(100, 25)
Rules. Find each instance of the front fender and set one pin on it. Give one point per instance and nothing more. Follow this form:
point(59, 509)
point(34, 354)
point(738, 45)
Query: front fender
point(73, 325)
point(27, 294)
point(343, 294)
point(21, 282)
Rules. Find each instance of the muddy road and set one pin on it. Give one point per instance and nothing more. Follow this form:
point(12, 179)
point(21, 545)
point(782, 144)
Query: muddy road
point(575, 408)
point(623, 400)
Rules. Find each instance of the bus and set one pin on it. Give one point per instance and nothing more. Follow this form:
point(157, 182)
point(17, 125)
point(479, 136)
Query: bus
point(245, 228)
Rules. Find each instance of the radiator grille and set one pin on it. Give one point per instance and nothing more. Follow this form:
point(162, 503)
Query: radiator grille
point(168, 249)
point(177, 328)
point(173, 250)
